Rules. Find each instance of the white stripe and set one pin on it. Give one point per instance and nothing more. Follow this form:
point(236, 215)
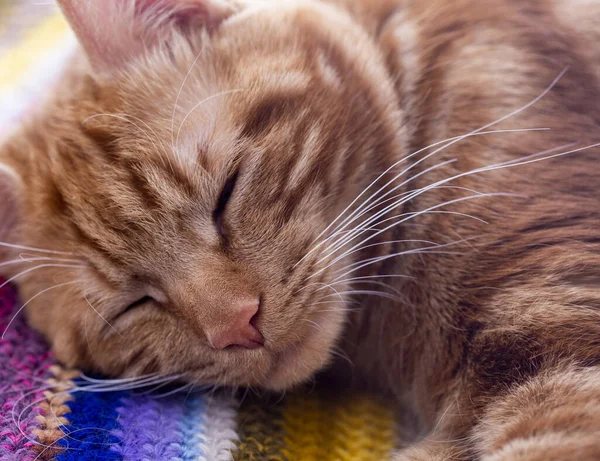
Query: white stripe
point(219, 431)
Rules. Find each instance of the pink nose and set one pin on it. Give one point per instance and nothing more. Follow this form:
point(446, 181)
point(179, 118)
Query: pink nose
point(239, 331)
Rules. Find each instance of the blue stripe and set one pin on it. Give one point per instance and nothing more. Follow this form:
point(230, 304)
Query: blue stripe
point(89, 435)
point(191, 427)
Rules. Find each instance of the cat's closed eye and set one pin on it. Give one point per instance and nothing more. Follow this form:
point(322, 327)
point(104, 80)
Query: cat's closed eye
point(134, 305)
point(222, 202)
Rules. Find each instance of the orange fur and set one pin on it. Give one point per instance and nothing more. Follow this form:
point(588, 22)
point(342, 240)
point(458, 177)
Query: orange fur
point(485, 326)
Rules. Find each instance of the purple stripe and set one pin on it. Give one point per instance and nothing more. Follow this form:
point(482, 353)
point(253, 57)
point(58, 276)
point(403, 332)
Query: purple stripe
point(25, 369)
point(150, 429)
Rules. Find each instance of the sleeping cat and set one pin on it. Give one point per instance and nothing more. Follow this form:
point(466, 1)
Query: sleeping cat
point(249, 193)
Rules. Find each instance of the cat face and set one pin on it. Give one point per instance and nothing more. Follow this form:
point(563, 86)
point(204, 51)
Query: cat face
point(187, 178)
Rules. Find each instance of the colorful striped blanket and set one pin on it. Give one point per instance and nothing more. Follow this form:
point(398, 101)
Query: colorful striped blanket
point(47, 412)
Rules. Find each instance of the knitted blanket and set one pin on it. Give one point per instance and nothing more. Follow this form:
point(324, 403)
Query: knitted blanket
point(47, 412)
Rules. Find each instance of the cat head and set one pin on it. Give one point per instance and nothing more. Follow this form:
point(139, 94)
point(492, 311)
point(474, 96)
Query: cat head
point(173, 208)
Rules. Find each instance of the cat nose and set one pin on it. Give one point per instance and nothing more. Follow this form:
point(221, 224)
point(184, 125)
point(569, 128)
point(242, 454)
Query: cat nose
point(238, 330)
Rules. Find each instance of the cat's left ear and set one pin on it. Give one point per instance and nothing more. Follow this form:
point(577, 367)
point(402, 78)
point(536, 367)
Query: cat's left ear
point(10, 187)
point(113, 32)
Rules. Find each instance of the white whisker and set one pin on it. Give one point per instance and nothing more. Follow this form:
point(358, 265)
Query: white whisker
point(39, 250)
point(479, 130)
point(30, 300)
point(23, 260)
point(101, 316)
point(41, 266)
point(344, 233)
point(391, 206)
point(520, 161)
point(370, 261)
point(222, 93)
point(314, 324)
point(388, 242)
point(391, 218)
point(381, 294)
point(339, 353)
point(461, 199)
point(187, 75)
point(366, 277)
point(453, 140)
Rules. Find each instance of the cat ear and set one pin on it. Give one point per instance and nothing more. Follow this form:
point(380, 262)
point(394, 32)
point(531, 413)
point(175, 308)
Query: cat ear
point(112, 32)
point(10, 184)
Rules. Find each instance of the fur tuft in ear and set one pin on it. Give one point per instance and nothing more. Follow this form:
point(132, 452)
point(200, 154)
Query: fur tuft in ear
point(10, 185)
point(112, 32)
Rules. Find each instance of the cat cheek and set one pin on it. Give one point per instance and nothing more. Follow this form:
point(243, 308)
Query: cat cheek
point(10, 191)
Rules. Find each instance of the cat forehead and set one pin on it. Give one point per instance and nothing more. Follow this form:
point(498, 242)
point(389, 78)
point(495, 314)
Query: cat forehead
point(200, 116)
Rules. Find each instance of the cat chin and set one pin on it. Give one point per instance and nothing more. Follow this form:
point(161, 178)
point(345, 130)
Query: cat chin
point(300, 361)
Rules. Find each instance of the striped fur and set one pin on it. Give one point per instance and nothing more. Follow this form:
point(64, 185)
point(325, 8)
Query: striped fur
point(490, 339)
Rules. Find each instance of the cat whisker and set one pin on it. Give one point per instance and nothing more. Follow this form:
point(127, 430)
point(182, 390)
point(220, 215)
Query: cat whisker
point(101, 316)
point(17, 419)
point(388, 242)
point(377, 197)
point(69, 436)
point(371, 293)
point(402, 184)
point(521, 161)
point(449, 202)
point(175, 391)
point(205, 100)
point(23, 260)
point(396, 197)
point(156, 387)
point(38, 250)
point(367, 262)
point(187, 75)
point(517, 162)
point(341, 309)
point(113, 386)
point(92, 380)
point(449, 141)
point(374, 277)
point(350, 232)
point(404, 215)
point(341, 354)
point(324, 285)
point(40, 266)
point(330, 303)
point(472, 133)
point(375, 219)
point(30, 300)
point(314, 324)
point(376, 282)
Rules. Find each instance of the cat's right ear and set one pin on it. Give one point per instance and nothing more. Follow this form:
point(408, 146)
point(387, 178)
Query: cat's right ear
point(113, 32)
point(10, 187)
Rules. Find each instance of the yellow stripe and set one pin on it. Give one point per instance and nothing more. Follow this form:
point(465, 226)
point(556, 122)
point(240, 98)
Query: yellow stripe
point(348, 428)
point(17, 61)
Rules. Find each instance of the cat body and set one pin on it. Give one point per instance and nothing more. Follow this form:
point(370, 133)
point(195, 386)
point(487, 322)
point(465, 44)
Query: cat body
point(403, 194)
